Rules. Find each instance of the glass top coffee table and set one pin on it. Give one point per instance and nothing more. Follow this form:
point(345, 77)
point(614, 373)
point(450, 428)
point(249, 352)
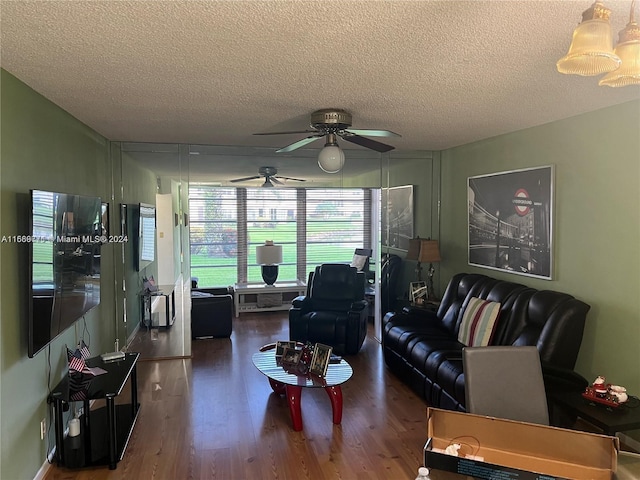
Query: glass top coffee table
point(291, 384)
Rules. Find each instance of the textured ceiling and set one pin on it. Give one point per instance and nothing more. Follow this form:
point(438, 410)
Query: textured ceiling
point(440, 73)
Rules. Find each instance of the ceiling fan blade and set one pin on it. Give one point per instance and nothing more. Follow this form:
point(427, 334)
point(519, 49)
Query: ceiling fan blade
point(245, 179)
point(275, 180)
point(367, 142)
point(286, 133)
point(373, 133)
point(300, 143)
point(292, 179)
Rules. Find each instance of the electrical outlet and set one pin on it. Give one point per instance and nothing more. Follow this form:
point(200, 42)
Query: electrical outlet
point(43, 428)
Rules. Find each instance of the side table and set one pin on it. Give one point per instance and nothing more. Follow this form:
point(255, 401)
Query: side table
point(104, 432)
point(429, 305)
point(609, 420)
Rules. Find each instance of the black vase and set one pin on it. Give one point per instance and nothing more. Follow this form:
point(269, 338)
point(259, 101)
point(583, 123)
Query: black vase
point(269, 274)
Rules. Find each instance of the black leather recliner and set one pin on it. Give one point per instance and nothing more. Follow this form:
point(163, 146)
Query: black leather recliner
point(334, 311)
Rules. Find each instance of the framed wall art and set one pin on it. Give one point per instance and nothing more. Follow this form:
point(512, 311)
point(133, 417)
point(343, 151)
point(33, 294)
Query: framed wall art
point(510, 221)
point(397, 216)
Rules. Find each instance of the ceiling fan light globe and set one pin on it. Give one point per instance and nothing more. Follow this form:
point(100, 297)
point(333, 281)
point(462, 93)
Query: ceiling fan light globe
point(331, 159)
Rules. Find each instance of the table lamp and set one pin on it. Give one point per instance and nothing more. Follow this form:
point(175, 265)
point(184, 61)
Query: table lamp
point(424, 250)
point(269, 256)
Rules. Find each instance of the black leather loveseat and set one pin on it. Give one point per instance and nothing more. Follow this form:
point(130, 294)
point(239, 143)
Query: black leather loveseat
point(422, 347)
point(211, 312)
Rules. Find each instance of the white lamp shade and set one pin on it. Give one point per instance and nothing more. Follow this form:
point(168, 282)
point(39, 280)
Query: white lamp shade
point(331, 159)
point(269, 254)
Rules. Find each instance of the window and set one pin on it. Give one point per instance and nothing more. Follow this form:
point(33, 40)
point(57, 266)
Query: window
point(213, 235)
point(335, 225)
point(276, 226)
point(314, 226)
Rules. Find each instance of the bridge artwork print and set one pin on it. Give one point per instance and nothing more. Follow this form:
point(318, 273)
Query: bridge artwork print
point(510, 221)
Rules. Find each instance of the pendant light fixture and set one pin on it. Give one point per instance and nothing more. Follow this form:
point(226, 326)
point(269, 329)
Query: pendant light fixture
point(591, 51)
point(628, 50)
point(331, 157)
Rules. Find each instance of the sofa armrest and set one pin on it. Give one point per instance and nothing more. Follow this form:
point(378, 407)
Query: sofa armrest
point(420, 313)
point(559, 379)
point(214, 290)
point(359, 305)
point(299, 302)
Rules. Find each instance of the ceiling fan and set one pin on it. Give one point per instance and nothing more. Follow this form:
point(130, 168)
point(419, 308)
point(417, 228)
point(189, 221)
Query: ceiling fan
point(270, 175)
point(332, 123)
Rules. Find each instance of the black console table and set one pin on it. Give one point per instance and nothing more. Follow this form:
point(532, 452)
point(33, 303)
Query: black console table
point(105, 431)
point(151, 319)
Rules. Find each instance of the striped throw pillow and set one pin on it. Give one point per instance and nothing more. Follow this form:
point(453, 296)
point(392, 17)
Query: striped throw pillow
point(478, 322)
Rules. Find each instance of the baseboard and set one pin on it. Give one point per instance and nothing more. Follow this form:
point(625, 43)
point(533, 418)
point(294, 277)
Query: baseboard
point(629, 442)
point(46, 466)
point(131, 337)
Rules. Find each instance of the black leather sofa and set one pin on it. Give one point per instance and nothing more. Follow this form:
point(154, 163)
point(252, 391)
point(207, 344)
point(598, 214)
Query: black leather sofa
point(422, 348)
point(211, 312)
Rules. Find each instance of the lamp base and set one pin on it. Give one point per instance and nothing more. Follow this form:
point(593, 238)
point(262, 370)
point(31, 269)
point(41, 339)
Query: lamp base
point(269, 274)
point(431, 294)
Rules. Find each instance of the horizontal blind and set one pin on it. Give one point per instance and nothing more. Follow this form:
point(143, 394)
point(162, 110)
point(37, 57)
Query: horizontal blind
point(213, 235)
point(313, 226)
point(335, 225)
point(271, 215)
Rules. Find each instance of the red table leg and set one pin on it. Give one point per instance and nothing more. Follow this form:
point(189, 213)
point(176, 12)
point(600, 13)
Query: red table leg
point(276, 386)
point(335, 395)
point(294, 393)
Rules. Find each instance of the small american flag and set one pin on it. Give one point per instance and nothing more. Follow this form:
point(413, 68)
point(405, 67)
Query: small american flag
point(78, 386)
point(76, 362)
point(84, 350)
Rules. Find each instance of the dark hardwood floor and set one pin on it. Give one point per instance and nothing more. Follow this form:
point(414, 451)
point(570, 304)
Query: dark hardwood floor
point(214, 416)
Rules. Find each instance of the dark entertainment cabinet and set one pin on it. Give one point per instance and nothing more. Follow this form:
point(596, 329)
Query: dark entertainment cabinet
point(104, 431)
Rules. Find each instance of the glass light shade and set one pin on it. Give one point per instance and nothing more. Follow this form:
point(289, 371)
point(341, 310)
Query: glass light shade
point(331, 159)
point(628, 49)
point(268, 254)
point(591, 51)
point(629, 71)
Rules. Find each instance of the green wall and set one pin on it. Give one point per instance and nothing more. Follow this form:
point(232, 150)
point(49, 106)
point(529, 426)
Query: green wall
point(422, 170)
point(138, 185)
point(46, 148)
point(596, 227)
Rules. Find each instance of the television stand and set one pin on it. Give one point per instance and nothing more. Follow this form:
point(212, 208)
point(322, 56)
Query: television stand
point(104, 432)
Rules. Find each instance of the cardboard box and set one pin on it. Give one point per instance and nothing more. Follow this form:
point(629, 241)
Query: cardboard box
point(494, 448)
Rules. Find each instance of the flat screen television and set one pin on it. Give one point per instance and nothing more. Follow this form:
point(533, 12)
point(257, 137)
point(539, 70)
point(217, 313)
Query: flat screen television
point(64, 262)
point(146, 238)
